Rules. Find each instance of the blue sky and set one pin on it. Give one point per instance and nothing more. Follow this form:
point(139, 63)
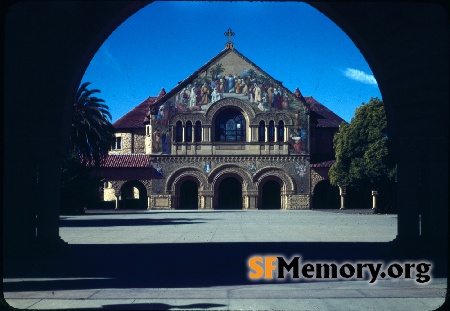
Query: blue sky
point(165, 42)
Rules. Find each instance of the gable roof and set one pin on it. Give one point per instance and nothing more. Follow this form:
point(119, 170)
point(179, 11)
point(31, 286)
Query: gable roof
point(135, 117)
point(324, 116)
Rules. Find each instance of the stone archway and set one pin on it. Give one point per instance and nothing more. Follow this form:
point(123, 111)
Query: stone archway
point(229, 194)
point(188, 196)
point(270, 195)
point(179, 192)
point(325, 196)
point(220, 172)
point(133, 195)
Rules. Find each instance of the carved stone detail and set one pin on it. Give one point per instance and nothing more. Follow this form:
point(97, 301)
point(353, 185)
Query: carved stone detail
point(187, 116)
point(270, 173)
point(227, 103)
point(315, 179)
point(299, 201)
point(272, 116)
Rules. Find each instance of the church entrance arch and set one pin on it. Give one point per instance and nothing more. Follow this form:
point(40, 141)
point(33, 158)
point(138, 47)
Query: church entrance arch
point(188, 199)
point(133, 195)
point(325, 196)
point(271, 195)
point(230, 194)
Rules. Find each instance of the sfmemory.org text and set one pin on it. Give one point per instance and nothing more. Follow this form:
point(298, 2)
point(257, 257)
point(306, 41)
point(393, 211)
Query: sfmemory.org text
point(277, 267)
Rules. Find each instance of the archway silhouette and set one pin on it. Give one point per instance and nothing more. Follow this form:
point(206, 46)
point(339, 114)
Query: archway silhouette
point(403, 56)
point(133, 195)
point(188, 199)
point(230, 194)
point(271, 195)
point(325, 196)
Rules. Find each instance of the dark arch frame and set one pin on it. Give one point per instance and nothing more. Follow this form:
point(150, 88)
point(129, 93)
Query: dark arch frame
point(423, 43)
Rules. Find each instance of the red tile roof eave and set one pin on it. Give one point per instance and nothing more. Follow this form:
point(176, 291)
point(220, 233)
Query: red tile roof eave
point(329, 118)
point(126, 161)
point(134, 118)
point(325, 164)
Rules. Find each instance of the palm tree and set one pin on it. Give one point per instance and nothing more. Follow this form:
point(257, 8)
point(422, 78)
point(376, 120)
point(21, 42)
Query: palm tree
point(92, 133)
point(217, 70)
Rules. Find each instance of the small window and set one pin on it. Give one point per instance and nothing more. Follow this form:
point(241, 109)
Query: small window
point(271, 131)
point(188, 131)
point(117, 143)
point(262, 131)
point(281, 131)
point(179, 132)
point(198, 131)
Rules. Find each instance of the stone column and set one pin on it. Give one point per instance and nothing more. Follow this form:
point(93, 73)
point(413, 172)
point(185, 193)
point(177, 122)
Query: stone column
point(206, 199)
point(276, 133)
point(342, 192)
point(149, 202)
point(374, 199)
point(117, 201)
point(266, 134)
point(49, 172)
point(250, 200)
point(183, 138)
point(407, 198)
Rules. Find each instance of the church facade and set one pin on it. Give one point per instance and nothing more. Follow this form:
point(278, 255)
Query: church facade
point(227, 137)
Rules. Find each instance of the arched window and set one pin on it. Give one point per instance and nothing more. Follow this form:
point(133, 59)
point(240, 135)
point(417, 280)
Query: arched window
point(198, 131)
point(271, 130)
point(179, 132)
point(280, 131)
point(188, 137)
point(230, 126)
point(262, 131)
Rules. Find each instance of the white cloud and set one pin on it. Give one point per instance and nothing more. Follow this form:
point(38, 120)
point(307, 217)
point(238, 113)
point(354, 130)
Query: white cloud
point(360, 76)
point(108, 58)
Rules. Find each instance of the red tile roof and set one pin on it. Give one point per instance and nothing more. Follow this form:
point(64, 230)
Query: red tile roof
point(135, 117)
point(326, 117)
point(326, 164)
point(126, 160)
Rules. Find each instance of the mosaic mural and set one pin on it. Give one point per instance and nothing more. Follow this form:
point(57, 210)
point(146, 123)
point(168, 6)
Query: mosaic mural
point(260, 92)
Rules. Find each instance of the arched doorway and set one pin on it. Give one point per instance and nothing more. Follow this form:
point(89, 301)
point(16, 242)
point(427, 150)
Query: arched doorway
point(325, 196)
point(230, 194)
point(133, 195)
point(188, 199)
point(271, 195)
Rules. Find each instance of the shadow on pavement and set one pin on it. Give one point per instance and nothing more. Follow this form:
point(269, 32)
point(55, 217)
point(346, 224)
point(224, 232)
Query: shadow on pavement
point(81, 222)
point(163, 306)
point(184, 265)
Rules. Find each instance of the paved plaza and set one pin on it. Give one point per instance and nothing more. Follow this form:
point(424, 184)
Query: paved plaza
point(166, 260)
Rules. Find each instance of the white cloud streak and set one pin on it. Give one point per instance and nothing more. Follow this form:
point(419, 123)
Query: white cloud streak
point(360, 76)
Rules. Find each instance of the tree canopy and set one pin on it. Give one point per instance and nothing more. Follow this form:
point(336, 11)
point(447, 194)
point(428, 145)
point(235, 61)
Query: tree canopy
point(362, 157)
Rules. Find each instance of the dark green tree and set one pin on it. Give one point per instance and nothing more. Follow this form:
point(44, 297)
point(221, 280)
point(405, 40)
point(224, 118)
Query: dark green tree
point(362, 156)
